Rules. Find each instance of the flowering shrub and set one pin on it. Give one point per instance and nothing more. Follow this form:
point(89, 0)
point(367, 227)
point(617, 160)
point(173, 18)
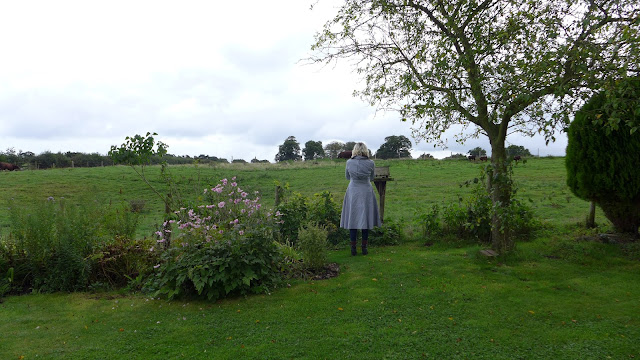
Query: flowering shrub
point(223, 246)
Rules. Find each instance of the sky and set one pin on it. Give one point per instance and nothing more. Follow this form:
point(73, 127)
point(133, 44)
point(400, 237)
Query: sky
point(218, 78)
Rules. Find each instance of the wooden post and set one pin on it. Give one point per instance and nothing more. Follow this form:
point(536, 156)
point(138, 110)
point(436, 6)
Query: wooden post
point(381, 185)
point(278, 193)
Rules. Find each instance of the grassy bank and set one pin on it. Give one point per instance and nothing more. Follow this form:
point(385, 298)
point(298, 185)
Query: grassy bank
point(416, 187)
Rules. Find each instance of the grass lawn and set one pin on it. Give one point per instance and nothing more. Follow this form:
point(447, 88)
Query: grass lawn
point(558, 296)
point(403, 302)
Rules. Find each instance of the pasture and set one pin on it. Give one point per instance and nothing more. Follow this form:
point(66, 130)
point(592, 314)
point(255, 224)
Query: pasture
point(561, 295)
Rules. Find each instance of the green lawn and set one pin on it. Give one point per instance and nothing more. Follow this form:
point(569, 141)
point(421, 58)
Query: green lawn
point(561, 295)
point(404, 302)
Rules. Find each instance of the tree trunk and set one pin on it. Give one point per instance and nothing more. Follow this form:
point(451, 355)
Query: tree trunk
point(499, 187)
point(591, 218)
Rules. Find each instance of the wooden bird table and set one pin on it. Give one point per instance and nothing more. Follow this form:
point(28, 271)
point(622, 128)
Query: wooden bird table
point(381, 176)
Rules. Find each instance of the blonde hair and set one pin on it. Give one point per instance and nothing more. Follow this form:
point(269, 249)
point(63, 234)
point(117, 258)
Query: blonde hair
point(360, 149)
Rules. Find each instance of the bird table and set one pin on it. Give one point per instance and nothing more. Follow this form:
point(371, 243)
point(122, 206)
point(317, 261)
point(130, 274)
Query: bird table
point(381, 176)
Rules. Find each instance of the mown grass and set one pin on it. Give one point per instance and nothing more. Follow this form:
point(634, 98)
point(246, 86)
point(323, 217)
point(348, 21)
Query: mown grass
point(562, 295)
point(404, 302)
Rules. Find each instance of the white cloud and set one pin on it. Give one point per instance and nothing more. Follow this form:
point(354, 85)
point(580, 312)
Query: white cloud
point(217, 78)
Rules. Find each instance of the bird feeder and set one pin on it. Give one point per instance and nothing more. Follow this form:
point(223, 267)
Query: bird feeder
point(381, 176)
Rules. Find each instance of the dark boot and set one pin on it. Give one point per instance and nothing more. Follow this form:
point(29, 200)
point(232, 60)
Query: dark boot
point(365, 241)
point(353, 236)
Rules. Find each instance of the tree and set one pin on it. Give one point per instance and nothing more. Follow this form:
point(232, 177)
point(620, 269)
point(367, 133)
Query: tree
point(515, 150)
point(477, 151)
point(313, 150)
point(499, 66)
point(394, 147)
point(349, 145)
point(603, 166)
point(425, 156)
point(333, 148)
point(289, 150)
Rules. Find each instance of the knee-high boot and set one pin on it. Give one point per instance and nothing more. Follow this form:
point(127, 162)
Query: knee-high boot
point(365, 241)
point(353, 233)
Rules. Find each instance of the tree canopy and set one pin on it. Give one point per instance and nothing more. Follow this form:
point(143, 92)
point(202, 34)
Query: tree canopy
point(313, 150)
point(394, 147)
point(502, 65)
point(477, 151)
point(289, 150)
point(333, 148)
point(517, 150)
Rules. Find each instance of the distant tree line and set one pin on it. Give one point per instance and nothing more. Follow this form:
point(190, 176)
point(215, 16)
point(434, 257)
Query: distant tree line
point(48, 159)
point(394, 147)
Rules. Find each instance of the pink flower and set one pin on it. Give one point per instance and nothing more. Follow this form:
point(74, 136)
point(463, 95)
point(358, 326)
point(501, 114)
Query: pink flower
point(156, 266)
point(234, 184)
point(233, 178)
point(221, 204)
point(241, 232)
point(159, 233)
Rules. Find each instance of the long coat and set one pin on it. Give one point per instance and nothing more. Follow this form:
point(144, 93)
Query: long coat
point(360, 208)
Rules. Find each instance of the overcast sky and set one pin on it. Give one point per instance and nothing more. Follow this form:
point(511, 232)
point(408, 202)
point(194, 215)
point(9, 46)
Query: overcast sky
point(219, 78)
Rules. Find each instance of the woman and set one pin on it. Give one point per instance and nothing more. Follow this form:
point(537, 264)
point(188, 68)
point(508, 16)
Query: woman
point(359, 209)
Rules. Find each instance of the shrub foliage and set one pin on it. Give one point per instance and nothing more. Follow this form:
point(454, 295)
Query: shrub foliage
point(603, 163)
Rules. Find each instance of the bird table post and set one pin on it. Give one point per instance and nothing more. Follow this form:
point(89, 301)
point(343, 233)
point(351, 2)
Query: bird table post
point(381, 176)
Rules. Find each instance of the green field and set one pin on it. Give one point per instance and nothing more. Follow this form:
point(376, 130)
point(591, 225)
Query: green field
point(416, 187)
point(562, 295)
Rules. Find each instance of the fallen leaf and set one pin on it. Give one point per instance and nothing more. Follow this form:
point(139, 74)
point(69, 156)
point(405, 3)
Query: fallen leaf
point(121, 329)
point(374, 279)
point(531, 312)
point(340, 309)
point(229, 338)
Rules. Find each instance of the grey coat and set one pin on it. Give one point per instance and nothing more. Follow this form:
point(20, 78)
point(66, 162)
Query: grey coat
point(360, 208)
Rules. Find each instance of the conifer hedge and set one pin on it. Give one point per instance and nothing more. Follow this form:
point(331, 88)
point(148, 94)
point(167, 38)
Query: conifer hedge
point(603, 162)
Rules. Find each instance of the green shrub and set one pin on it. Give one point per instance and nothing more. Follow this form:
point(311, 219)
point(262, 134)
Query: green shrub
point(121, 222)
point(470, 219)
point(322, 209)
point(51, 244)
point(389, 233)
point(293, 212)
point(429, 222)
point(123, 260)
point(603, 164)
point(325, 211)
point(52, 247)
point(219, 268)
point(313, 245)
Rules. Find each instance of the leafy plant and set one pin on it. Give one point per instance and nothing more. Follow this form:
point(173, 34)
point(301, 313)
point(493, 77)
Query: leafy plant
point(389, 233)
point(313, 245)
